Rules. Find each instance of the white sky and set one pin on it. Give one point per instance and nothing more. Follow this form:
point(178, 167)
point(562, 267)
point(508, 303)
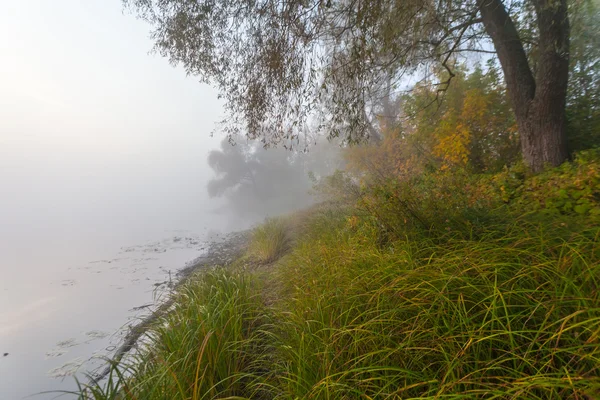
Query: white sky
point(95, 131)
point(102, 145)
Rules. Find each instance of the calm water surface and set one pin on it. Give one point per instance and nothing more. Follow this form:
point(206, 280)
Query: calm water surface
point(102, 184)
point(61, 313)
point(67, 295)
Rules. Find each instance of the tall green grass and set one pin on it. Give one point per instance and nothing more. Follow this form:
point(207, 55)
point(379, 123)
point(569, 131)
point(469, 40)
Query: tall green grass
point(512, 313)
point(510, 317)
point(200, 350)
point(270, 240)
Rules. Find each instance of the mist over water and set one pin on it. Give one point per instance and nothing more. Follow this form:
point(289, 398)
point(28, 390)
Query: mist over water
point(103, 186)
point(103, 179)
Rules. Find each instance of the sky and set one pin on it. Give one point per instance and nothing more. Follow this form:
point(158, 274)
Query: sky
point(93, 126)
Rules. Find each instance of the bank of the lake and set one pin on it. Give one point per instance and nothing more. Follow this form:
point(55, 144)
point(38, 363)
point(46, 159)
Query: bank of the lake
point(400, 290)
point(63, 312)
point(222, 252)
point(334, 314)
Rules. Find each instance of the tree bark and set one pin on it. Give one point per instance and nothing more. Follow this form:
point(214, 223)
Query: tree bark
point(538, 102)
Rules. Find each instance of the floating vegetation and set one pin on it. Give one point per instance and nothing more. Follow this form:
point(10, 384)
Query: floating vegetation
point(71, 342)
point(95, 334)
point(69, 368)
point(56, 353)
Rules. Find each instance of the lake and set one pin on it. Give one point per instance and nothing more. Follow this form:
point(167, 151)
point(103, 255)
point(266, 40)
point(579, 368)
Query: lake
point(62, 314)
point(103, 179)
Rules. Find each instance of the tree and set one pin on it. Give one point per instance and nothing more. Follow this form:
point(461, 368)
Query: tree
point(583, 99)
point(280, 63)
point(233, 166)
point(258, 183)
point(473, 127)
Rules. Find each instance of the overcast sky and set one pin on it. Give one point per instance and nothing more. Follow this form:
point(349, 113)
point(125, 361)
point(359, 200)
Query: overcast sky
point(95, 131)
point(102, 145)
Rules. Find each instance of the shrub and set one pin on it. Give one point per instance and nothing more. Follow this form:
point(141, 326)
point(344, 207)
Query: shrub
point(571, 189)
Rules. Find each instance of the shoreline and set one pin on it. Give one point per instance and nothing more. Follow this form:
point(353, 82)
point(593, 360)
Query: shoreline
point(219, 253)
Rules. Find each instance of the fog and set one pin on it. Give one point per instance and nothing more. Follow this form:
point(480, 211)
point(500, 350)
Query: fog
point(257, 183)
point(103, 177)
point(102, 148)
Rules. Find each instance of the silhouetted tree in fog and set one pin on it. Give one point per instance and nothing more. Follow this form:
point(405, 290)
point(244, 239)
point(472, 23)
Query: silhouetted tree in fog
point(259, 182)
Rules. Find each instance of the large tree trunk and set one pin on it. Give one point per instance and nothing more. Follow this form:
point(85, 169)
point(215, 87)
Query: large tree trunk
point(543, 139)
point(539, 102)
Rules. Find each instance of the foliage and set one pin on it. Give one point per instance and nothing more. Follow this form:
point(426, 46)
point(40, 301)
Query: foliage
point(340, 188)
point(437, 202)
point(410, 178)
point(431, 204)
point(280, 66)
point(571, 189)
point(472, 128)
point(471, 131)
point(277, 63)
point(393, 155)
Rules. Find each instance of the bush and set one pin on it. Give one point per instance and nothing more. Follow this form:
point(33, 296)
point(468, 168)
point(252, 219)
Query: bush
point(571, 189)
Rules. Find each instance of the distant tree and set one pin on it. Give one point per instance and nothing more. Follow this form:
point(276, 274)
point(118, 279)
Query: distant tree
point(260, 183)
point(233, 166)
point(277, 62)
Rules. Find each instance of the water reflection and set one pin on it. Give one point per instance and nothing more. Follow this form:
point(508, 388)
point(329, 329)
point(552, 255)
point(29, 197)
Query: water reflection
point(84, 313)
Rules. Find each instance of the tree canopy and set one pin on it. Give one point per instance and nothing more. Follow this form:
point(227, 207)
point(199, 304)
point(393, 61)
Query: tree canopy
point(276, 62)
point(280, 64)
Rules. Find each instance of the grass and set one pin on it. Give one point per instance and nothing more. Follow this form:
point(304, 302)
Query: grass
point(269, 241)
point(511, 313)
point(199, 350)
point(514, 317)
